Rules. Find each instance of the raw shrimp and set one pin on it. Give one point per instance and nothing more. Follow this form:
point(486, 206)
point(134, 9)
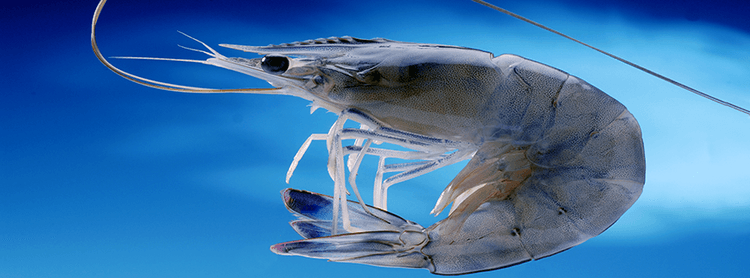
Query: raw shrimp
point(553, 160)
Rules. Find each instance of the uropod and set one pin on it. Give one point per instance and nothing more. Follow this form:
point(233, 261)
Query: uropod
point(553, 161)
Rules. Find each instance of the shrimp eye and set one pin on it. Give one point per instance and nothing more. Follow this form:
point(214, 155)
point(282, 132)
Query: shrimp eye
point(274, 64)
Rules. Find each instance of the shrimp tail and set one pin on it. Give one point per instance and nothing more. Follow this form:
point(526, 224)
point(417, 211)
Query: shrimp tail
point(385, 238)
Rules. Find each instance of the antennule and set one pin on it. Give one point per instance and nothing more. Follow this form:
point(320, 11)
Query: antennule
point(158, 84)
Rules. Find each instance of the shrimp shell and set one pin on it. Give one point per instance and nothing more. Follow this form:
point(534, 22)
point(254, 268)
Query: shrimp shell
point(553, 160)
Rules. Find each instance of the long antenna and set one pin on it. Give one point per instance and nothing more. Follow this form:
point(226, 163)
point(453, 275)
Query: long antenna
point(678, 84)
point(158, 84)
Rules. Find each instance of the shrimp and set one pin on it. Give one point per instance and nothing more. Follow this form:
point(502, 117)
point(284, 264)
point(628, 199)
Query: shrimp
point(553, 161)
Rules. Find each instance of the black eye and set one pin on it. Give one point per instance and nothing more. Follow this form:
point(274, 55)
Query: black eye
point(274, 64)
point(318, 80)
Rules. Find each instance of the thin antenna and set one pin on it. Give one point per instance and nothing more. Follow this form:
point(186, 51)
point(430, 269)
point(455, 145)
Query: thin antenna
point(678, 84)
point(163, 85)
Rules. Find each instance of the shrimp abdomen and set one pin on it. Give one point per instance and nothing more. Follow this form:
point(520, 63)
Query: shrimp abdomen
point(587, 167)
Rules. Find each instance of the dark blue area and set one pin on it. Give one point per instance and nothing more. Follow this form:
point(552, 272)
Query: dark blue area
point(309, 205)
point(723, 12)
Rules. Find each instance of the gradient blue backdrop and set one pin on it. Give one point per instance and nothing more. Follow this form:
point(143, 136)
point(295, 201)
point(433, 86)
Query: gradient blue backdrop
point(101, 177)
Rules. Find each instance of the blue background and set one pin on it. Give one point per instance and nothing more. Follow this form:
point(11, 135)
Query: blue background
point(101, 177)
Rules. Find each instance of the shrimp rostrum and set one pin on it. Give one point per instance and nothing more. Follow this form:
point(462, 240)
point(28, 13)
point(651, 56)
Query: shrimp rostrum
point(553, 160)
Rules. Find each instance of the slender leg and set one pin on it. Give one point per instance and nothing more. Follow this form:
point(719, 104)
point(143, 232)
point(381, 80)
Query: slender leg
point(430, 153)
